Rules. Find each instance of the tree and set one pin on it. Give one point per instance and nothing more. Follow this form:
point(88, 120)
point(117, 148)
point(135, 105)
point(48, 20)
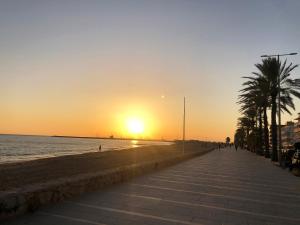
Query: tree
point(255, 94)
point(239, 137)
point(245, 124)
point(272, 71)
point(227, 140)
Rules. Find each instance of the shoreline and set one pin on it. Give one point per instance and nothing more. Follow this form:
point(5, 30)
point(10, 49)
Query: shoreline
point(89, 137)
point(27, 186)
point(43, 169)
point(16, 150)
point(45, 156)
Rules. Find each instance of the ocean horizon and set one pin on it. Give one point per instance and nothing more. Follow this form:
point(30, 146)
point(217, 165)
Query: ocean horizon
point(17, 148)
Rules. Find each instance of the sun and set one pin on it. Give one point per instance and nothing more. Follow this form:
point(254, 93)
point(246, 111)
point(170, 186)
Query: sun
point(135, 126)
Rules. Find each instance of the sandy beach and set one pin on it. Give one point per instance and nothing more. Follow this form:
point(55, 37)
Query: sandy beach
point(19, 175)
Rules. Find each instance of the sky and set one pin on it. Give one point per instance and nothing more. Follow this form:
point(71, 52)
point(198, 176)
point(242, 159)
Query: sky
point(85, 67)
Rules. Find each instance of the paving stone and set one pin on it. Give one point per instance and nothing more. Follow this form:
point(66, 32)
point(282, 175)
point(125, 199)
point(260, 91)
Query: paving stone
point(221, 187)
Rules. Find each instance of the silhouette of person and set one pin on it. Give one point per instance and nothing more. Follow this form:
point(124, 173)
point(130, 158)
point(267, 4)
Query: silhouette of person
point(99, 148)
point(236, 147)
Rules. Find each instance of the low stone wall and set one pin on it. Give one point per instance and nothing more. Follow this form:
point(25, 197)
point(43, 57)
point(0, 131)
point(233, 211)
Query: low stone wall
point(30, 198)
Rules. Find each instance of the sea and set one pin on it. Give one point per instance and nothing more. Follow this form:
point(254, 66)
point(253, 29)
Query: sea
point(16, 148)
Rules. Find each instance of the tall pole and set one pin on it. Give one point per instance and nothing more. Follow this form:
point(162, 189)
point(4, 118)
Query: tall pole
point(183, 127)
point(279, 116)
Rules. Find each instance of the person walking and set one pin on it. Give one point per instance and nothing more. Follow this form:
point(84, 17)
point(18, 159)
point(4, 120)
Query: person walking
point(236, 147)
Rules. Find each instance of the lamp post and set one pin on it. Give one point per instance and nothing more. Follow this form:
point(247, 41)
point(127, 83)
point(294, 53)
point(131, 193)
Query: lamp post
point(183, 127)
point(279, 103)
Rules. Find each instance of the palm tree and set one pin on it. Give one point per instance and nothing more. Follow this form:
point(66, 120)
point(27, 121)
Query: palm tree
point(239, 137)
point(273, 71)
point(256, 94)
point(227, 140)
point(245, 124)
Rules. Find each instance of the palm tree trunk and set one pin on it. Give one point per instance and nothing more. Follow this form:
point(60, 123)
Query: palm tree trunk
point(260, 133)
point(253, 126)
point(247, 137)
point(266, 133)
point(274, 128)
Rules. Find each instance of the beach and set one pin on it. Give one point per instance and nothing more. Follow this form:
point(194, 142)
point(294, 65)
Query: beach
point(19, 175)
point(26, 186)
point(17, 148)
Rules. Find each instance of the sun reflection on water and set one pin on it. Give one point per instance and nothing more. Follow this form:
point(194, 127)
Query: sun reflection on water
point(134, 143)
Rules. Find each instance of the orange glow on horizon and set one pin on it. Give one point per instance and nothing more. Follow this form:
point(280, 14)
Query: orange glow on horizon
point(135, 121)
point(148, 120)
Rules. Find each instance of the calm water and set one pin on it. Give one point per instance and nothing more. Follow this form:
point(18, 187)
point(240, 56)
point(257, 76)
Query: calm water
point(15, 148)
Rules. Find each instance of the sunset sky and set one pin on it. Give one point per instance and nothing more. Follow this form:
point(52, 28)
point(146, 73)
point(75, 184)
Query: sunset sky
point(88, 67)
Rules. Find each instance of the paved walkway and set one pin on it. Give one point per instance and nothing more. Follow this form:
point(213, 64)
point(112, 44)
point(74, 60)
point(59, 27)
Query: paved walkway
point(222, 187)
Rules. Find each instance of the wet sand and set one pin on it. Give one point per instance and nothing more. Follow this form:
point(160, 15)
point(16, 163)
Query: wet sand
point(19, 175)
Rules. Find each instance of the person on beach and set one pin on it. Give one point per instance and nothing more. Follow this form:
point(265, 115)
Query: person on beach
point(99, 148)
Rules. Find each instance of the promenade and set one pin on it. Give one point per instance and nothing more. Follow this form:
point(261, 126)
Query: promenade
point(221, 187)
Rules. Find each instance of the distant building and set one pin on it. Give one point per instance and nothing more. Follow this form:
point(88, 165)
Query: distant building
point(297, 129)
point(290, 133)
point(287, 134)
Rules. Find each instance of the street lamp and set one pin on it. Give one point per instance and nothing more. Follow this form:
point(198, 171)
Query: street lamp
point(279, 108)
point(183, 127)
